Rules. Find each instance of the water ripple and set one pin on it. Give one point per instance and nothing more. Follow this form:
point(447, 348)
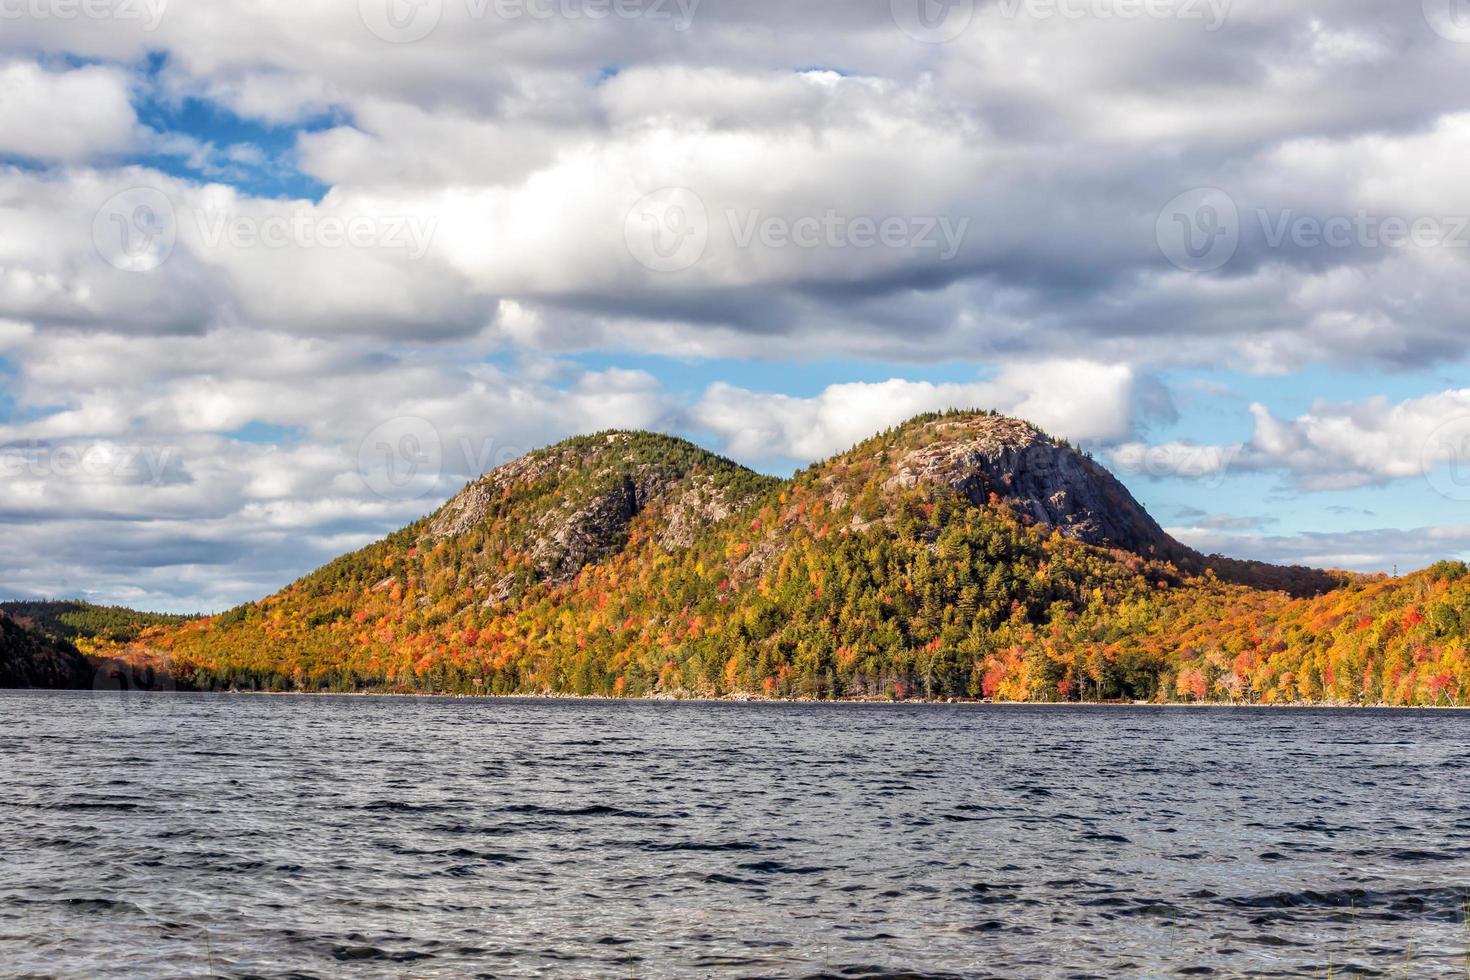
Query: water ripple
point(176, 835)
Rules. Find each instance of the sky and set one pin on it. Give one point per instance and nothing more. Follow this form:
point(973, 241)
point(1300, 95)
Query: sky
point(280, 276)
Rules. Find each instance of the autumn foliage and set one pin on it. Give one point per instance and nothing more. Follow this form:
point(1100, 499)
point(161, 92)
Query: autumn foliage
point(827, 585)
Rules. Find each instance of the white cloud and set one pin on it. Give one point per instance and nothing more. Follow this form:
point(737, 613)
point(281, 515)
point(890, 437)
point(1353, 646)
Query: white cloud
point(351, 263)
point(140, 478)
point(1344, 445)
point(1335, 446)
point(1208, 464)
point(1053, 141)
point(1071, 399)
point(72, 116)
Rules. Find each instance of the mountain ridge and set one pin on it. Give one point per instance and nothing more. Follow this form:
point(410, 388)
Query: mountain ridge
point(1050, 483)
point(961, 554)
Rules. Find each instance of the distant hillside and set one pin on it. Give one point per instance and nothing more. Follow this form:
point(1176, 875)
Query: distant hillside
point(959, 555)
point(29, 659)
point(1376, 640)
point(76, 621)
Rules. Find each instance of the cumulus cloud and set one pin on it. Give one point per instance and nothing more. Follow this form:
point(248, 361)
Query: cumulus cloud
point(1072, 399)
point(1345, 445)
point(107, 249)
point(1048, 180)
point(66, 115)
point(217, 467)
point(1208, 464)
point(1334, 446)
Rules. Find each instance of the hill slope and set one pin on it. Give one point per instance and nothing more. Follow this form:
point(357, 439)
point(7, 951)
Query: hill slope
point(960, 555)
point(82, 623)
point(29, 659)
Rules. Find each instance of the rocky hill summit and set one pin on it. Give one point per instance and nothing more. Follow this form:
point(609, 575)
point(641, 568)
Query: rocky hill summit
point(1050, 485)
point(580, 502)
point(592, 490)
point(1042, 479)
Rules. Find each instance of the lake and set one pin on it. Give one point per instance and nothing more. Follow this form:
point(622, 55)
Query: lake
point(172, 835)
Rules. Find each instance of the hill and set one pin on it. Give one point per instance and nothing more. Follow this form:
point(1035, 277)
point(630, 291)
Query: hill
point(79, 622)
point(29, 659)
point(959, 555)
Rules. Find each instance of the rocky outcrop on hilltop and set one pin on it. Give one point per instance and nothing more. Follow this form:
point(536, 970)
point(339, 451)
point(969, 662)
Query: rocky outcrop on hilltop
point(576, 504)
point(1050, 484)
point(1045, 481)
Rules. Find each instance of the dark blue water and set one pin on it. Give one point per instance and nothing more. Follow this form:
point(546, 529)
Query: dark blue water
point(190, 835)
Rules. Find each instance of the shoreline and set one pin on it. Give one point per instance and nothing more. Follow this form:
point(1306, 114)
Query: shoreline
point(760, 701)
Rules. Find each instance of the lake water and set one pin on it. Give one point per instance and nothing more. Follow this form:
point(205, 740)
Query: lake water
point(178, 835)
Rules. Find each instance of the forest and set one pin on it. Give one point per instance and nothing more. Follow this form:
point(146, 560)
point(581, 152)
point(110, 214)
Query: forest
point(77, 621)
point(636, 565)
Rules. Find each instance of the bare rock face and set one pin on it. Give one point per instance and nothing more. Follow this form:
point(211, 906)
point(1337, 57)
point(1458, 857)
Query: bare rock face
point(569, 540)
point(576, 504)
point(700, 506)
point(1043, 480)
point(473, 504)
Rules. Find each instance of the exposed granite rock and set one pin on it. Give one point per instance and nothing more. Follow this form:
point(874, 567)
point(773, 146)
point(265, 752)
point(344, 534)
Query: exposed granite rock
point(1045, 481)
point(700, 506)
point(471, 506)
point(587, 500)
point(568, 541)
point(1055, 486)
